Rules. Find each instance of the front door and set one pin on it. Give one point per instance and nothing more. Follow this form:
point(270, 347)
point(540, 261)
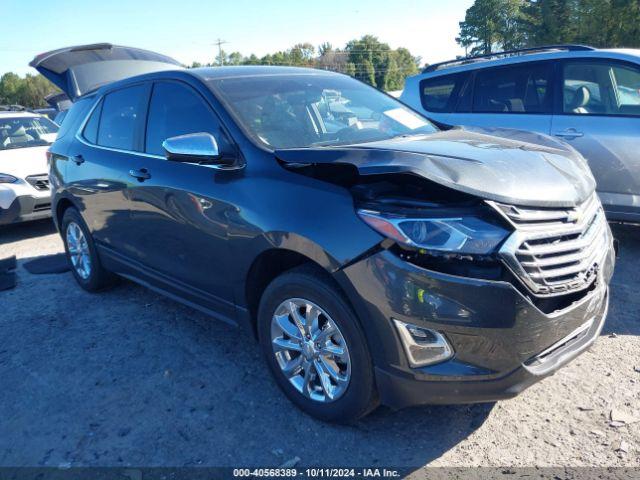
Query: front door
point(600, 117)
point(178, 210)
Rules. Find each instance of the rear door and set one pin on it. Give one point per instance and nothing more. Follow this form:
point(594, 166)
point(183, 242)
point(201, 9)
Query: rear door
point(78, 70)
point(599, 115)
point(513, 96)
point(98, 164)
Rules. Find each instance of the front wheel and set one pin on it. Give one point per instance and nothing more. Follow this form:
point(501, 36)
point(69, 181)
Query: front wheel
point(82, 255)
point(315, 348)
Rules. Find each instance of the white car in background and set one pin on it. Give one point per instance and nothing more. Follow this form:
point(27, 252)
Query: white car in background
point(24, 182)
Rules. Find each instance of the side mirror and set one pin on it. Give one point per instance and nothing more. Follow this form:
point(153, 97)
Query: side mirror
point(196, 148)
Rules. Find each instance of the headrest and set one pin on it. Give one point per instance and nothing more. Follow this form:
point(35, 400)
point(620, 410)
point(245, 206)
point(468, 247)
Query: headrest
point(582, 97)
point(18, 132)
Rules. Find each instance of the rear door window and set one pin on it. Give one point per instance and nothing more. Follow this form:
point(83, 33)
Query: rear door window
point(600, 88)
point(90, 132)
point(522, 88)
point(440, 94)
point(176, 109)
point(120, 121)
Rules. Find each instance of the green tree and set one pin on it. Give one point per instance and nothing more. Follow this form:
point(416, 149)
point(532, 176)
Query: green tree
point(251, 60)
point(302, 54)
point(9, 87)
point(350, 69)
point(221, 58)
point(491, 25)
point(407, 64)
point(547, 22)
point(367, 59)
point(608, 23)
point(370, 57)
point(235, 58)
point(325, 48)
point(29, 91)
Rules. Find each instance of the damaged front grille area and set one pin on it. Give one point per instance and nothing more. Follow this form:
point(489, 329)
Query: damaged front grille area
point(482, 267)
point(555, 251)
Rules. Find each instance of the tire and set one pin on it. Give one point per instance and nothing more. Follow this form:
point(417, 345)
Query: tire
point(95, 277)
point(310, 286)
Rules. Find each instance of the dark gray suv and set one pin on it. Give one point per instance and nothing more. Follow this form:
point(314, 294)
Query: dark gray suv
point(376, 258)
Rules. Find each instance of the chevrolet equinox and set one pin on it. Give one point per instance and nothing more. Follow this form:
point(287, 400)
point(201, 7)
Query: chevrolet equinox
point(376, 258)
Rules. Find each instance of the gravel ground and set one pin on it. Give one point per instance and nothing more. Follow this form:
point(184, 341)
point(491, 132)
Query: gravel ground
point(128, 377)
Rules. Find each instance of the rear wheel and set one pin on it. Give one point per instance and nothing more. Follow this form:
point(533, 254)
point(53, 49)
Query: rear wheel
point(82, 255)
point(315, 348)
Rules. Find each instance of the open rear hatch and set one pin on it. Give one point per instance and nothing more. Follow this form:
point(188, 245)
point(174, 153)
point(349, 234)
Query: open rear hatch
point(81, 69)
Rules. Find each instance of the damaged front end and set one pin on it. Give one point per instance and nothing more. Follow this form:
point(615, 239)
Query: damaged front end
point(550, 248)
point(552, 257)
point(453, 233)
point(488, 278)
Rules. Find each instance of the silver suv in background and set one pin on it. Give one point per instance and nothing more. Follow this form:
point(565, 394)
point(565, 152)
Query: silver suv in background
point(588, 97)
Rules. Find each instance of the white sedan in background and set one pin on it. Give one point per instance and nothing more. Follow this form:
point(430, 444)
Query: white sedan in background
point(24, 180)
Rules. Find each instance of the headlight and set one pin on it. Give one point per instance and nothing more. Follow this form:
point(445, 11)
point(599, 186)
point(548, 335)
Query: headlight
point(465, 234)
point(4, 178)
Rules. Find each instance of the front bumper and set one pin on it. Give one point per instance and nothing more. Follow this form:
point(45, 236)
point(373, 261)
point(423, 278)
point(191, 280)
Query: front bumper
point(503, 343)
point(26, 208)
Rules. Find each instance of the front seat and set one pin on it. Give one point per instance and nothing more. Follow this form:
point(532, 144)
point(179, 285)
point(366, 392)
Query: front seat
point(19, 135)
point(580, 100)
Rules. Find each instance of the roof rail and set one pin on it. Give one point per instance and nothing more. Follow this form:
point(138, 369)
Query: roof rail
point(506, 53)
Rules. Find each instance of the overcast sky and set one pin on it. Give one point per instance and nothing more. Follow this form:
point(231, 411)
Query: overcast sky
point(188, 29)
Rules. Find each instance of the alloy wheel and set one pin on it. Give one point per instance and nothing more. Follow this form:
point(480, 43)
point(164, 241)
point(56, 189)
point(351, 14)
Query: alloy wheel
point(79, 253)
point(310, 350)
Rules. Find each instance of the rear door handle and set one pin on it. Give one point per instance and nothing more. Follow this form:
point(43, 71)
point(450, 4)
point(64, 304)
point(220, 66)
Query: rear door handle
point(142, 174)
point(77, 159)
point(569, 133)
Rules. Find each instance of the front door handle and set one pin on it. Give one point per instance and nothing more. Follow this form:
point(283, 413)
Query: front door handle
point(569, 133)
point(142, 174)
point(77, 159)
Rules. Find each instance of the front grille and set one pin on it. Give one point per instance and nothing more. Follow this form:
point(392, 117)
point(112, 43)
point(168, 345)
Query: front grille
point(556, 251)
point(39, 182)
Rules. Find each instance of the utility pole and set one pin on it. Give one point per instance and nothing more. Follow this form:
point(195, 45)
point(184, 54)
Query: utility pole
point(219, 43)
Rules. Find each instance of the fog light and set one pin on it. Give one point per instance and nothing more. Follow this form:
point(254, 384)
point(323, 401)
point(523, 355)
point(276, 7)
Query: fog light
point(423, 346)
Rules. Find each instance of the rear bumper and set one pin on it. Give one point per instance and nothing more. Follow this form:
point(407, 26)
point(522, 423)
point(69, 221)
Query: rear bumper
point(26, 208)
point(502, 342)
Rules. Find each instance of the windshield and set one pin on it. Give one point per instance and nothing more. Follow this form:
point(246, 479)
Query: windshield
point(21, 132)
point(307, 110)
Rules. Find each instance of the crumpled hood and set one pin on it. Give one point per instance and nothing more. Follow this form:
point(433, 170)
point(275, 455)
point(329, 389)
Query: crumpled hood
point(508, 166)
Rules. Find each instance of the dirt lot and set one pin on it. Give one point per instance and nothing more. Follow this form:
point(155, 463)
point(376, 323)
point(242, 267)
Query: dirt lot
point(130, 378)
